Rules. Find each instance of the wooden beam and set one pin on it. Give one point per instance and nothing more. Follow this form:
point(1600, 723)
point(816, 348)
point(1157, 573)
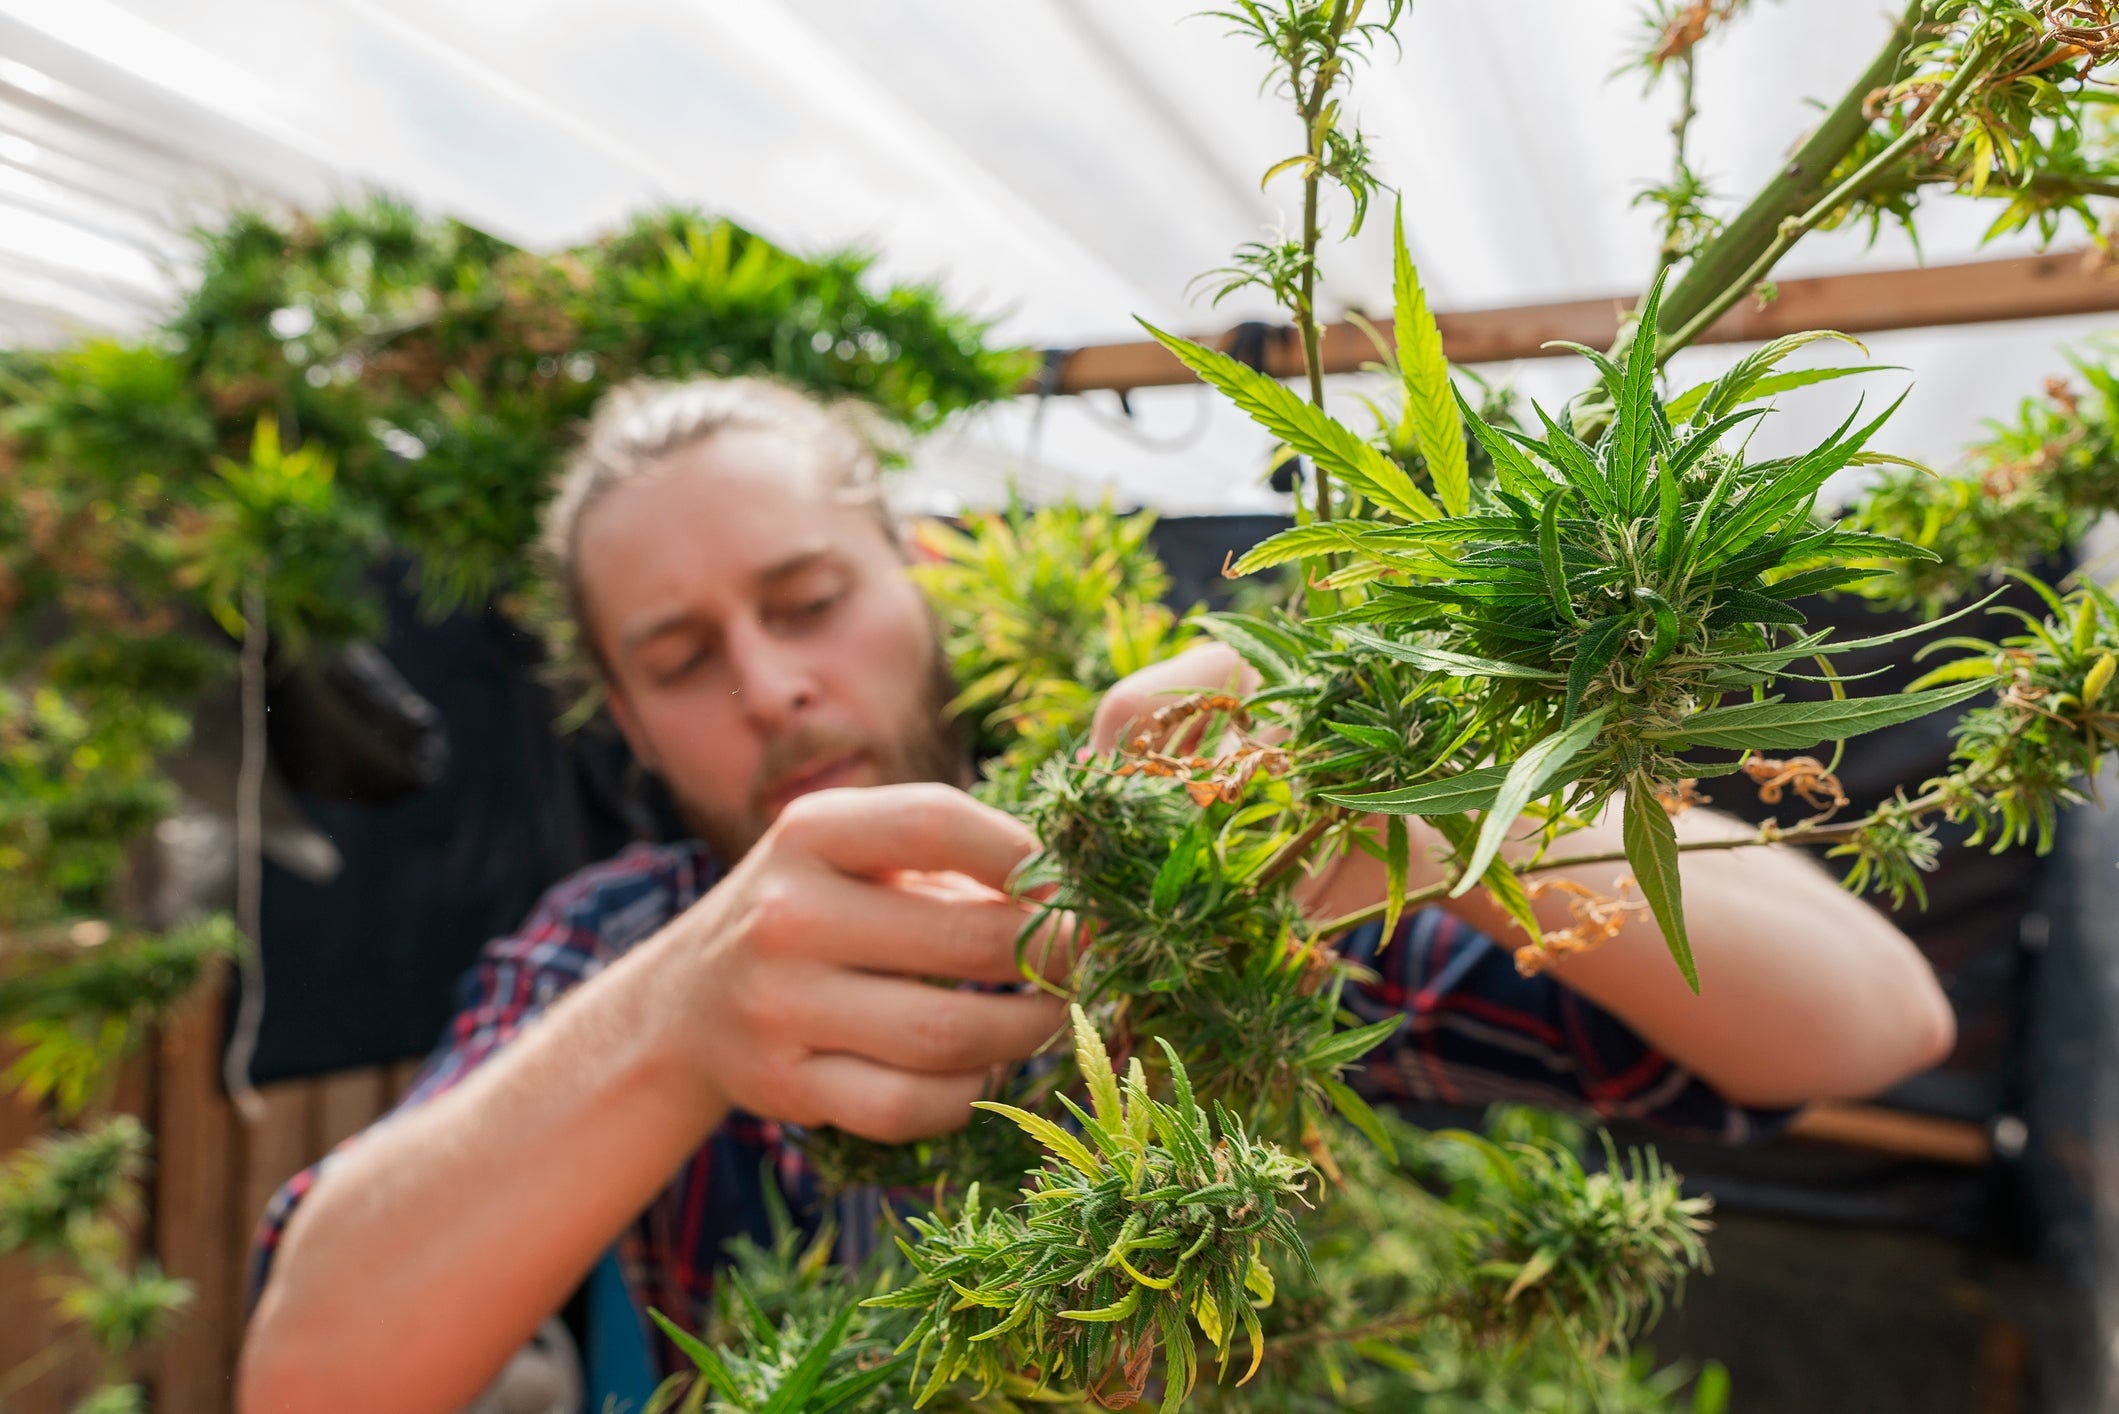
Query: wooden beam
point(1895, 1133)
point(1979, 292)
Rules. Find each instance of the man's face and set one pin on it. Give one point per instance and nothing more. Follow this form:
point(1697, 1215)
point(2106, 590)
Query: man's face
point(763, 640)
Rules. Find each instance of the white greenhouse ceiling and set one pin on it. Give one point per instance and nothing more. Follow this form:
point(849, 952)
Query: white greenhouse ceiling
point(1066, 165)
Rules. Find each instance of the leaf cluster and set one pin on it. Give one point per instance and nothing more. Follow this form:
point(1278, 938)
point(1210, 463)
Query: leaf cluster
point(788, 1334)
point(2023, 497)
point(1151, 1218)
point(1451, 1272)
point(1432, 1290)
point(1612, 587)
point(2000, 100)
point(2037, 747)
point(1040, 615)
point(68, 1201)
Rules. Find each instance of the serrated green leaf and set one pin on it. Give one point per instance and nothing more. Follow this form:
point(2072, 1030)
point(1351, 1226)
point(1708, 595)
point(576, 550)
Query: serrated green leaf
point(1355, 1111)
point(1532, 1272)
point(700, 1354)
point(1094, 1062)
point(1344, 1047)
point(1469, 790)
point(1442, 660)
point(1188, 853)
point(1651, 844)
point(793, 1395)
point(1515, 472)
point(1117, 1311)
point(1787, 726)
point(1822, 643)
point(1430, 399)
point(1397, 854)
point(1740, 384)
point(1551, 564)
point(1502, 883)
point(1571, 458)
point(1300, 542)
point(1805, 475)
point(1633, 431)
point(1532, 775)
point(1305, 428)
point(850, 1388)
point(1045, 1132)
point(1594, 650)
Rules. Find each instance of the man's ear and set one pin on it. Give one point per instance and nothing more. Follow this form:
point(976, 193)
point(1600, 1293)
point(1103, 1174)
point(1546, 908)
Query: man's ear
point(621, 710)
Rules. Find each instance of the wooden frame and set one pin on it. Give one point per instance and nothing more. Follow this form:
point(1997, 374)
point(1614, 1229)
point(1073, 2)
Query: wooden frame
point(1977, 292)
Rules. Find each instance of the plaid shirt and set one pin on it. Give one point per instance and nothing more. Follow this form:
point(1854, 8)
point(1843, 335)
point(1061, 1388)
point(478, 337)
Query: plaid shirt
point(1478, 1032)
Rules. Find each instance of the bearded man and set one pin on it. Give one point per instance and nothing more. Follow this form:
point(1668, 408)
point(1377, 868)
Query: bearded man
point(624, 1069)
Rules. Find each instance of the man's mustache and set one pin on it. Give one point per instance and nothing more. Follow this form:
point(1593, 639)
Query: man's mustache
point(802, 750)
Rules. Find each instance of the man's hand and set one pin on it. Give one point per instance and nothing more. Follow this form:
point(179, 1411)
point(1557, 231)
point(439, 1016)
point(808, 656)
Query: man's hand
point(813, 985)
point(429, 1250)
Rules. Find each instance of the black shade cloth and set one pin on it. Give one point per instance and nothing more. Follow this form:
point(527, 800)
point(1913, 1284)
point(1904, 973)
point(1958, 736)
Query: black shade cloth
point(360, 970)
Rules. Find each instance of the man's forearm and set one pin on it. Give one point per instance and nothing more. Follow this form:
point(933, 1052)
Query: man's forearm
point(431, 1249)
point(1806, 992)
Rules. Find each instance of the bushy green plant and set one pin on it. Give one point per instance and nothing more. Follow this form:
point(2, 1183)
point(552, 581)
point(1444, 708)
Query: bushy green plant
point(1041, 615)
point(333, 392)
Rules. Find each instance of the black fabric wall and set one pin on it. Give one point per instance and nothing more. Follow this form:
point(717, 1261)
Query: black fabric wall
point(360, 970)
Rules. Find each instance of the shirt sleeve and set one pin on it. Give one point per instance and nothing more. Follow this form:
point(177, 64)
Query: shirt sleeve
point(514, 979)
point(1478, 1032)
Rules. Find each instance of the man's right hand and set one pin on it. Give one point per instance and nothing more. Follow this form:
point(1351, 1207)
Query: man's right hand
point(800, 984)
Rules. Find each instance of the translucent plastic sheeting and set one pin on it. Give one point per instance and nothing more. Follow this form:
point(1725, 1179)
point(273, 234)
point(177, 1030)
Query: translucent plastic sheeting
point(1066, 164)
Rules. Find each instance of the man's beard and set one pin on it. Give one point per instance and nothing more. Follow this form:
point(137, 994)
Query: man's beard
point(931, 746)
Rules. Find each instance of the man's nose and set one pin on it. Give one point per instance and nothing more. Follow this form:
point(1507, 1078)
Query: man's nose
point(773, 680)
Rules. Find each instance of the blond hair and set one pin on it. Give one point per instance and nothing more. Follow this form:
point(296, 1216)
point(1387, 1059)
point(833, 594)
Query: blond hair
point(638, 428)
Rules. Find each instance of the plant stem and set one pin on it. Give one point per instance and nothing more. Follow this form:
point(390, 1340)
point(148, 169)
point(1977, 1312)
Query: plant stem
point(1292, 853)
point(249, 862)
point(1681, 132)
point(1969, 74)
point(1735, 251)
point(1319, 92)
point(1766, 835)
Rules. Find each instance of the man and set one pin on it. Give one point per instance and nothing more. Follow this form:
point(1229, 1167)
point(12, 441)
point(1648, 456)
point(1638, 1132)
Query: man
point(741, 591)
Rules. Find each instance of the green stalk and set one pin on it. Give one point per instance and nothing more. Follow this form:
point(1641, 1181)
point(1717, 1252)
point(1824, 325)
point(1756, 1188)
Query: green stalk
point(1969, 75)
point(1313, 103)
point(1766, 835)
point(1681, 132)
point(1735, 251)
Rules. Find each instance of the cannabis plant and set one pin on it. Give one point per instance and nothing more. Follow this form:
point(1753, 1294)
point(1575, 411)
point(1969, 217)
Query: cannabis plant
point(1512, 627)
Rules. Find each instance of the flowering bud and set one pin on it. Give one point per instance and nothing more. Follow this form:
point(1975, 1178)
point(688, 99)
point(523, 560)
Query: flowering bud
point(2099, 678)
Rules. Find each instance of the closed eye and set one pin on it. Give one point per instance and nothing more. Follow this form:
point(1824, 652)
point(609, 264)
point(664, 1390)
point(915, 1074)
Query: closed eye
point(811, 610)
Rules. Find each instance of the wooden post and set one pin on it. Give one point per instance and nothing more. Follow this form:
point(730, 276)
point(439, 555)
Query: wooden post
point(195, 1232)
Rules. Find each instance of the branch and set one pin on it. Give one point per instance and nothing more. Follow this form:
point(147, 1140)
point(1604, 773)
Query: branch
point(1767, 834)
point(1968, 76)
point(1736, 250)
point(1327, 75)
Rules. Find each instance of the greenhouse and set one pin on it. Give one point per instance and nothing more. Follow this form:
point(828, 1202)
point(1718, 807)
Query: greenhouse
point(1286, 705)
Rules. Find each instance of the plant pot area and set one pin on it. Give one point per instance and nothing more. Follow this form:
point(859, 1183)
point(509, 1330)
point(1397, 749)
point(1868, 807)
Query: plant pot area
point(836, 709)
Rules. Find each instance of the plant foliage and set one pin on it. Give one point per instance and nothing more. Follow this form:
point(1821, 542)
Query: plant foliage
point(335, 394)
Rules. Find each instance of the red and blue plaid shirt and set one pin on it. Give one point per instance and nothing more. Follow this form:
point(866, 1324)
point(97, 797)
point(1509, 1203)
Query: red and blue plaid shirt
point(1478, 1032)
